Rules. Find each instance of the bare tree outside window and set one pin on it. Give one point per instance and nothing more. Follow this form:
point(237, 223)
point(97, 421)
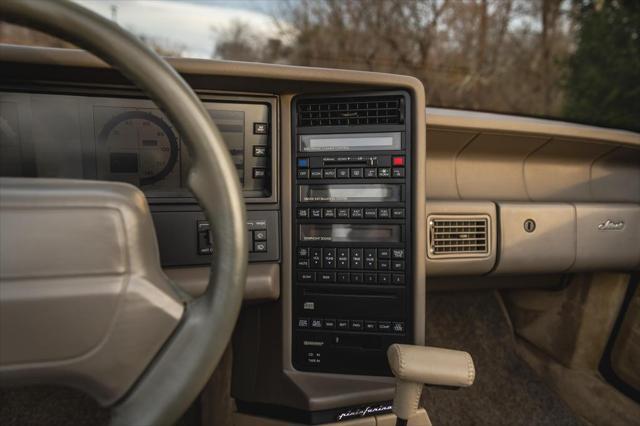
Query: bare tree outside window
point(577, 60)
point(510, 56)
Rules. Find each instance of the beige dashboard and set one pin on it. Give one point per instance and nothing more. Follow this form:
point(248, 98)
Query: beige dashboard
point(494, 195)
point(498, 166)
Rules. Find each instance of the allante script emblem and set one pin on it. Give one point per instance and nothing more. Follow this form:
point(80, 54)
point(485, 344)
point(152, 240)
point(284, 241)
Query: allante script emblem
point(610, 225)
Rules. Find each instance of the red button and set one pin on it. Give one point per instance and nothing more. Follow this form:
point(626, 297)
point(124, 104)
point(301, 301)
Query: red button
point(398, 161)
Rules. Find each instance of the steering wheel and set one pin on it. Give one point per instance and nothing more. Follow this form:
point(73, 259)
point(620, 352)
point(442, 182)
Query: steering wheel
point(183, 365)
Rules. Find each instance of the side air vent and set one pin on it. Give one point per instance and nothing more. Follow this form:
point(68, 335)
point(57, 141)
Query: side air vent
point(351, 111)
point(458, 236)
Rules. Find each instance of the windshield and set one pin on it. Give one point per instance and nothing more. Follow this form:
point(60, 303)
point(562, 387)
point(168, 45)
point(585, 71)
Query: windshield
point(576, 60)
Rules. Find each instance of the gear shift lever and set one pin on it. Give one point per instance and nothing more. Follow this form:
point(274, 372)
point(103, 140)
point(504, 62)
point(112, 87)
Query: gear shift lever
point(415, 366)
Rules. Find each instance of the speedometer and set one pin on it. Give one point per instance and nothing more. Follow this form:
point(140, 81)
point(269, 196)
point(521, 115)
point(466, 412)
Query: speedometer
point(140, 144)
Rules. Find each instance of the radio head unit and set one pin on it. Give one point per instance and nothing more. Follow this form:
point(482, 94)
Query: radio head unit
point(352, 292)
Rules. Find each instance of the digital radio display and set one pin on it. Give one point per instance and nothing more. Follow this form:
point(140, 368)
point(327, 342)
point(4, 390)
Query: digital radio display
point(354, 193)
point(351, 142)
point(347, 233)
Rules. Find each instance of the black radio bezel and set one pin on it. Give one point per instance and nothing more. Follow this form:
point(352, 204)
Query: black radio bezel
point(366, 368)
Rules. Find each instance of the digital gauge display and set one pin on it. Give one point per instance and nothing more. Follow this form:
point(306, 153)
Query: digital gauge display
point(139, 146)
point(128, 140)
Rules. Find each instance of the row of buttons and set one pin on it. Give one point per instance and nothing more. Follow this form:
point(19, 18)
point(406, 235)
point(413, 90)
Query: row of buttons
point(350, 278)
point(260, 150)
point(351, 258)
point(355, 172)
point(353, 325)
point(256, 237)
point(351, 213)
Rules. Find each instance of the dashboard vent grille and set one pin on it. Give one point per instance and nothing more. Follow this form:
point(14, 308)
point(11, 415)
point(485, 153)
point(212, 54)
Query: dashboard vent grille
point(458, 236)
point(351, 111)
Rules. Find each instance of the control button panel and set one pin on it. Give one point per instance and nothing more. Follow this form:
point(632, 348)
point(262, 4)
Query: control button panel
point(383, 266)
point(350, 213)
point(380, 167)
point(352, 292)
point(262, 236)
point(340, 325)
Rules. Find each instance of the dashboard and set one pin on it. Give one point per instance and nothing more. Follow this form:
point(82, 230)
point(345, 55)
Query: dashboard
point(358, 290)
point(335, 174)
point(351, 201)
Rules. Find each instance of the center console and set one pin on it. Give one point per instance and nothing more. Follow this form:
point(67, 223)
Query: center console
point(352, 207)
point(334, 189)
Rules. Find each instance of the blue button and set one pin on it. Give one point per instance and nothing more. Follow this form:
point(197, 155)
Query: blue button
point(303, 162)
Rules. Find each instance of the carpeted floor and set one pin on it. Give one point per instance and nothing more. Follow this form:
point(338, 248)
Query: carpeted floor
point(506, 390)
point(49, 406)
point(59, 406)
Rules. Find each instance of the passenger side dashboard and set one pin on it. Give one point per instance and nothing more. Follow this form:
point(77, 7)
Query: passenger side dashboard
point(559, 197)
point(531, 238)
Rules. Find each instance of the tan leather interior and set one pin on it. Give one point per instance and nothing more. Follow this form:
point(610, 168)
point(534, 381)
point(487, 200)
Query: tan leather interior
point(531, 164)
point(528, 166)
point(488, 122)
point(562, 285)
point(263, 281)
point(416, 366)
point(431, 366)
point(562, 335)
point(127, 307)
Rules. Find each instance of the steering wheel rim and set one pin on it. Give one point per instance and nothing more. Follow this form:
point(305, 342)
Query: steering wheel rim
point(182, 367)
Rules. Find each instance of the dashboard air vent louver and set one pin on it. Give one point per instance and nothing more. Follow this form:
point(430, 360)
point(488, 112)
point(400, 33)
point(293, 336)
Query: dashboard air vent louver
point(458, 236)
point(380, 110)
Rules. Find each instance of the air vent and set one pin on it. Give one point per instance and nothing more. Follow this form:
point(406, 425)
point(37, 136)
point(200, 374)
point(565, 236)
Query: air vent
point(351, 111)
point(458, 236)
